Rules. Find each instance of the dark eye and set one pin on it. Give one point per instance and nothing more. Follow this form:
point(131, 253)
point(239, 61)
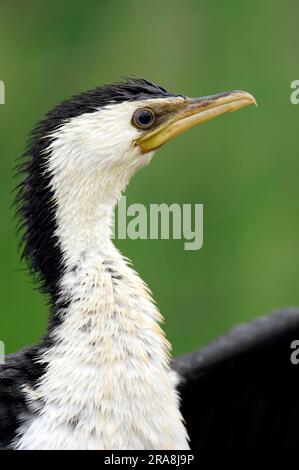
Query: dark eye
point(143, 118)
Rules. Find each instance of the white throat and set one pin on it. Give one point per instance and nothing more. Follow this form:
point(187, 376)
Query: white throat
point(108, 383)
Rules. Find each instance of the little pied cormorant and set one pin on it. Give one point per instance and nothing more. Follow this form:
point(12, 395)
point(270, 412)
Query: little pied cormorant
point(101, 378)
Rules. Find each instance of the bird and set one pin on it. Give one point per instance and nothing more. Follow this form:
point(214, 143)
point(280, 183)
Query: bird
point(102, 376)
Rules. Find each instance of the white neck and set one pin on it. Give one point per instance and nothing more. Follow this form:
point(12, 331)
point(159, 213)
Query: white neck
point(108, 383)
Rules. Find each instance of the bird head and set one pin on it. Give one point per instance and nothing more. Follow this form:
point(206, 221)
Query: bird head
point(114, 130)
point(84, 152)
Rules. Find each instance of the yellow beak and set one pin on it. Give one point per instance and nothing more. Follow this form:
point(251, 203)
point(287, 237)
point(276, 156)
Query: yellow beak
point(191, 111)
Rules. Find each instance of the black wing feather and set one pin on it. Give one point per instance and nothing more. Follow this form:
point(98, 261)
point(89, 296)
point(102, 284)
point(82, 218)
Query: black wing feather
point(20, 369)
point(242, 391)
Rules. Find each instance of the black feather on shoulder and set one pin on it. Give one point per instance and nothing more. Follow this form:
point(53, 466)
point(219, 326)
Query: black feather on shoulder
point(241, 391)
point(21, 369)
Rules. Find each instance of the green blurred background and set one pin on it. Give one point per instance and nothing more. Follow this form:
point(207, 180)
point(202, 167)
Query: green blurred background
point(243, 167)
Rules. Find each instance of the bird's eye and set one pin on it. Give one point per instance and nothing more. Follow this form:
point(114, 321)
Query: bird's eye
point(143, 118)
